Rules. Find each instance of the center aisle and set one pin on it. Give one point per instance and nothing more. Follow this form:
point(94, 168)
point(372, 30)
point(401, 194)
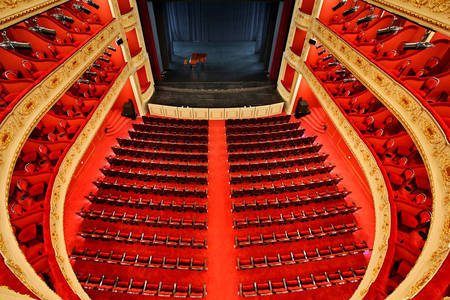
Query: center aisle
point(221, 257)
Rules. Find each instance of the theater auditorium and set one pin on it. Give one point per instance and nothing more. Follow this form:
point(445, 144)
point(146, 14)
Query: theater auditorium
point(224, 149)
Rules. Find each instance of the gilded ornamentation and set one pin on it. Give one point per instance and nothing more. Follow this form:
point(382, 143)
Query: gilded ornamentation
point(28, 106)
point(430, 132)
point(370, 168)
point(430, 13)
point(283, 93)
point(302, 20)
point(429, 138)
point(21, 121)
point(65, 172)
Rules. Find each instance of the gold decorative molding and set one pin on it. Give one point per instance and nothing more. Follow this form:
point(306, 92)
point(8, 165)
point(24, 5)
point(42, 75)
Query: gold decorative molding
point(434, 14)
point(129, 20)
point(7, 293)
point(292, 59)
point(215, 113)
point(284, 93)
point(431, 142)
point(67, 169)
point(15, 11)
point(14, 131)
point(115, 10)
point(302, 20)
point(371, 171)
point(148, 93)
point(139, 59)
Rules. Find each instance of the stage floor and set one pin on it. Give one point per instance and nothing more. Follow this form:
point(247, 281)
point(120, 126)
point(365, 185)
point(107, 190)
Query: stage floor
point(226, 61)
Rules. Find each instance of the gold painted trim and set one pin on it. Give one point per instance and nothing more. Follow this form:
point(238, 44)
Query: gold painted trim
point(139, 59)
point(434, 14)
point(15, 11)
point(431, 142)
point(284, 93)
point(292, 59)
point(14, 131)
point(148, 93)
point(128, 20)
point(302, 20)
point(371, 171)
point(215, 113)
point(7, 293)
point(66, 171)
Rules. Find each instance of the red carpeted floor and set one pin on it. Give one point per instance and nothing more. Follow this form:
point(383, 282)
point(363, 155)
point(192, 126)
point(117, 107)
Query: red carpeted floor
point(222, 277)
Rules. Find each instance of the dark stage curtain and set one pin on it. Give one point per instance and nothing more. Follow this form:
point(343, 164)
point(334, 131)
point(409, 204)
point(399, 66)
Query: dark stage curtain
point(203, 21)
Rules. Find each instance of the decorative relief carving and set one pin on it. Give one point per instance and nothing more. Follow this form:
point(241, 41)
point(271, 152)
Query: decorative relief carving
point(128, 20)
point(293, 59)
point(13, 11)
point(429, 138)
point(302, 20)
point(5, 137)
point(66, 170)
point(284, 93)
point(430, 13)
point(21, 121)
point(370, 169)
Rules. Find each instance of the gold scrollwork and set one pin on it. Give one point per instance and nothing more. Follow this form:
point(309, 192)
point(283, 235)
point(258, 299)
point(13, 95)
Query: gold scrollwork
point(370, 168)
point(426, 133)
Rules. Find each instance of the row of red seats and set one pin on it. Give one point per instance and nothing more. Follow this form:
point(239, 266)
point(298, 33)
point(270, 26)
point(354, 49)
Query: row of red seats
point(174, 122)
point(289, 200)
point(279, 153)
point(279, 163)
point(293, 236)
point(160, 155)
point(302, 256)
point(183, 166)
point(32, 176)
point(175, 147)
point(130, 237)
point(399, 150)
point(280, 135)
point(263, 146)
point(292, 217)
point(362, 104)
point(262, 129)
point(103, 283)
point(153, 175)
point(298, 284)
point(148, 220)
point(138, 260)
point(151, 203)
point(375, 125)
point(257, 121)
point(408, 183)
point(53, 128)
point(405, 50)
point(161, 189)
point(166, 128)
point(32, 48)
point(282, 187)
point(38, 157)
point(149, 176)
point(180, 138)
point(280, 174)
point(78, 108)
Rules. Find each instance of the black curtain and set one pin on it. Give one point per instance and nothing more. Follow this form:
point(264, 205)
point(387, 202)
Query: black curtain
point(204, 21)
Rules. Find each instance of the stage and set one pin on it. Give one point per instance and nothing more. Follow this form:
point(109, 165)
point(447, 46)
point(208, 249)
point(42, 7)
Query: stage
point(225, 61)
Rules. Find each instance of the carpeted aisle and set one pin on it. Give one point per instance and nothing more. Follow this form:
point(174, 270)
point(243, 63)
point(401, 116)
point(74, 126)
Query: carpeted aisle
point(222, 280)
